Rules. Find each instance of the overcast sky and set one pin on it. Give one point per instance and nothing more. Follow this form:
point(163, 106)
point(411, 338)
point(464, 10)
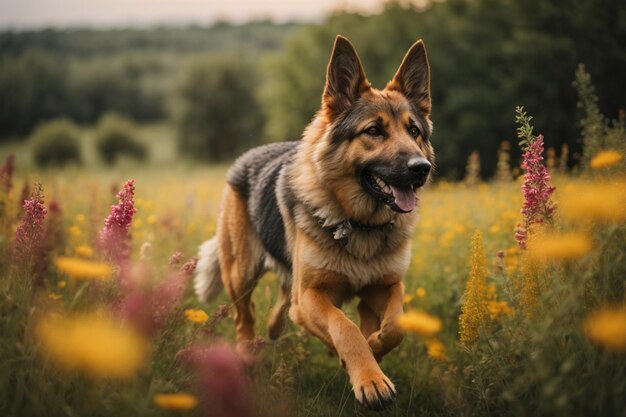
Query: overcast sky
point(103, 13)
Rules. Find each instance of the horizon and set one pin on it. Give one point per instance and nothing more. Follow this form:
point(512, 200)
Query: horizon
point(28, 15)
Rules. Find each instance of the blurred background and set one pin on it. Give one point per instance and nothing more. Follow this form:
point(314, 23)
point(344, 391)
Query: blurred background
point(97, 83)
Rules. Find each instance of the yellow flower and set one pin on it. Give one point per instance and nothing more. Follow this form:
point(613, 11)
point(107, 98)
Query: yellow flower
point(605, 159)
point(83, 269)
point(62, 283)
point(175, 401)
point(151, 219)
point(196, 316)
point(607, 327)
point(560, 246)
point(474, 312)
point(420, 292)
point(420, 323)
point(407, 298)
point(80, 218)
point(92, 344)
point(75, 231)
point(497, 308)
point(435, 349)
point(598, 201)
point(494, 229)
point(84, 251)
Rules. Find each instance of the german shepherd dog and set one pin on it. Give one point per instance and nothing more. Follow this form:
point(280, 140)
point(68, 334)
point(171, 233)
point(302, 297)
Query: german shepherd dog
point(333, 215)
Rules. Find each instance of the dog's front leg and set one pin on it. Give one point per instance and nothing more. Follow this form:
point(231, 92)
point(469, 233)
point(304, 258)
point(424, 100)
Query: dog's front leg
point(316, 311)
point(386, 303)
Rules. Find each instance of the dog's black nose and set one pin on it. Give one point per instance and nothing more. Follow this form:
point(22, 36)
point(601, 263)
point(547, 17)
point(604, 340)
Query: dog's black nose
point(419, 165)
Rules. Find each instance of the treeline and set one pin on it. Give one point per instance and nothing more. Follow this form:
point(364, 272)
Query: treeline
point(83, 74)
point(486, 57)
point(230, 87)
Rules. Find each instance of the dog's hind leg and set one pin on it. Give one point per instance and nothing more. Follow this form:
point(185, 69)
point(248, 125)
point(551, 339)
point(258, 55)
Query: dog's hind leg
point(241, 260)
point(277, 320)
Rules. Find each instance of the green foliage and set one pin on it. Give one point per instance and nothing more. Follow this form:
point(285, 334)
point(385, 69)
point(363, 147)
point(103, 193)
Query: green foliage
point(83, 73)
point(116, 137)
point(219, 114)
point(485, 56)
point(56, 143)
point(33, 87)
point(525, 129)
point(596, 131)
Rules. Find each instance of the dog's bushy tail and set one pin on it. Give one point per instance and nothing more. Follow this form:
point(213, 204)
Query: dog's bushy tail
point(208, 282)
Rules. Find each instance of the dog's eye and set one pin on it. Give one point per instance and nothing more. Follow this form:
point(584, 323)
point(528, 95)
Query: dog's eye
point(414, 131)
point(374, 131)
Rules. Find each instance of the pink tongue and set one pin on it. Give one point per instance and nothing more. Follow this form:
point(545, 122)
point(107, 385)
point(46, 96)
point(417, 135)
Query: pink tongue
point(405, 198)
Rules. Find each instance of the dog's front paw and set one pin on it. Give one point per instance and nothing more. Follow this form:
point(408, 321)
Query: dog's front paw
point(375, 392)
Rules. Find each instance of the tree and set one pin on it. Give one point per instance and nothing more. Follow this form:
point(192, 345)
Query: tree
point(219, 114)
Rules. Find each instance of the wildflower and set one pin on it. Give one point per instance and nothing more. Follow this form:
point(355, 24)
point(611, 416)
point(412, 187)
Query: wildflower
point(175, 258)
point(472, 170)
point(530, 289)
point(223, 387)
point(151, 219)
point(196, 316)
point(537, 207)
point(115, 236)
point(560, 246)
point(607, 327)
point(435, 349)
point(29, 235)
point(180, 401)
point(598, 201)
point(407, 298)
point(79, 268)
point(148, 309)
point(420, 292)
point(62, 284)
point(503, 167)
point(84, 251)
point(92, 344)
point(498, 308)
point(75, 231)
point(605, 159)
point(145, 253)
point(420, 323)
point(474, 312)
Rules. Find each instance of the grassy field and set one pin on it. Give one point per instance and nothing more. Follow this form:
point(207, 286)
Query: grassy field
point(540, 362)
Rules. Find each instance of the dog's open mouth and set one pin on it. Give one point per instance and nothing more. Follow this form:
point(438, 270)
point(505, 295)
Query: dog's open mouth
point(400, 198)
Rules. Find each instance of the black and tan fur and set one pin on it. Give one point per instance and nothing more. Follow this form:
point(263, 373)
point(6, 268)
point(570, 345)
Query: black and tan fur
point(333, 214)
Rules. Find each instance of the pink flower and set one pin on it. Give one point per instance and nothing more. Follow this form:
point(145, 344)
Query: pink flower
point(115, 236)
point(537, 207)
point(150, 308)
point(222, 385)
point(175, 258)
point(28, 246)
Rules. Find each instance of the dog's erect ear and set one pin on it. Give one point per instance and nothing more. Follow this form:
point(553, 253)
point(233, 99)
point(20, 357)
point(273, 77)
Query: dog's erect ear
point(345, 78)
point(413, 77)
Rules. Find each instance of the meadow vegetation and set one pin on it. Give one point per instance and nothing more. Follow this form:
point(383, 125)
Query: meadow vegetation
point(515, 298)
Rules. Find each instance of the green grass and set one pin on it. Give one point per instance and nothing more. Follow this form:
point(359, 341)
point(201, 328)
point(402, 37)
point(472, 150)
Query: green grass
point(538, 365)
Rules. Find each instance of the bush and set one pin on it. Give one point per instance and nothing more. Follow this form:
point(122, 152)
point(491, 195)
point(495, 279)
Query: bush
point(117, 136)
point(56, 143)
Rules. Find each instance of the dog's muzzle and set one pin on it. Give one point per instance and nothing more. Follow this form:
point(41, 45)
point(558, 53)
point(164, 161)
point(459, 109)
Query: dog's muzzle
point(395, 185)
